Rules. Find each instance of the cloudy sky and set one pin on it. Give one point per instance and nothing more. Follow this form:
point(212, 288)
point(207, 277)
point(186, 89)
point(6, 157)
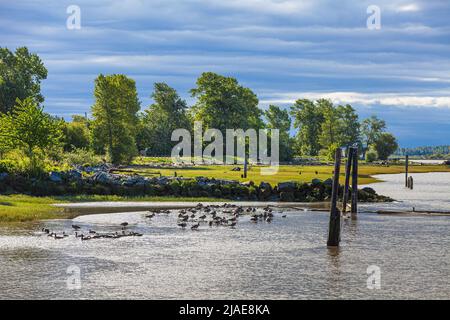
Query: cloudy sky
point(282, 49)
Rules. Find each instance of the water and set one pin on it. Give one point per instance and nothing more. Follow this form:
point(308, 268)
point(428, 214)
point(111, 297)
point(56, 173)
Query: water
point(286, 259)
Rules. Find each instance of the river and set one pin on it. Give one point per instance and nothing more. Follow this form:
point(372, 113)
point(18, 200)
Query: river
point(284, 259)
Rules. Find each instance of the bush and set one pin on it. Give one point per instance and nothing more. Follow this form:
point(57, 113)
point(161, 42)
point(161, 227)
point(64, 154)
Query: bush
point(82, 157)
point(371, 155)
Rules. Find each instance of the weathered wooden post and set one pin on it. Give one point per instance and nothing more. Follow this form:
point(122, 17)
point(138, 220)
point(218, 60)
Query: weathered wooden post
point(348, 167)
point(335, 215)
point(406, 170)
point(355, 183)
point(245, 164)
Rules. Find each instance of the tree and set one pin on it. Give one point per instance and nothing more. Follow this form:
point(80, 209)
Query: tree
point(167, 113)
point(20, 76)
point(308, 120)
point(330, 133)
point(371, 129)
point(115, 117)
point(222, 103)
point(30, 129)
point(279, 119)
point(76, 134)
point(349, 125)
point(385, 145)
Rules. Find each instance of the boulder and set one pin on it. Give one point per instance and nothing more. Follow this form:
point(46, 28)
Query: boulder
point(265, 186)
point(316, 182)
point(369, 190)
point(328, 182)
point(287, 196)
point(75, 175)
point(286, 186)
point(55, 177)
point(3, 176)
point(105, 178)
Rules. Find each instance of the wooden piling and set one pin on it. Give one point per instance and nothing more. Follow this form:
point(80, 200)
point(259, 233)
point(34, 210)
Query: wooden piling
point(406, 170)
point(245, 164)
point(354, 209)
point(348, 167)
point(335, 215)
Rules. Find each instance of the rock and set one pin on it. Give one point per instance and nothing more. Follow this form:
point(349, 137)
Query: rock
point(287, 196)
point(75, 175)
point(286, 186)
point(55, 177)
point(316, 181)
point(265, 186)
point(3, 176)
point(248, 183)
point(236, 169)
point(106, 178)
point(369, 190)
point(328, 182)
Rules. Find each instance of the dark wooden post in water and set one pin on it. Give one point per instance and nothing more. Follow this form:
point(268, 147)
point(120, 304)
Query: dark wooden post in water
point(245, 164)
point(355, 183)
point(406, 170)
point(335, 216)
point(348, 167)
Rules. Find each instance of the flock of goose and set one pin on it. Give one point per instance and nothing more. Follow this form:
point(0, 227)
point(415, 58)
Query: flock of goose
point(226, 215)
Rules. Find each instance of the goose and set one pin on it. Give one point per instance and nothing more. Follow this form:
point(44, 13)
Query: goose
point(203, 217)
point(269, 220)
point(195, 226)
point(254, 219)
point(47, 231)
point(150, 215)
point(283, 216)
point(233, 224)
point(182, 225)
point(74, 226)
point(211, 223)
point(124, 224)
point(193, 215)
point(92, 231)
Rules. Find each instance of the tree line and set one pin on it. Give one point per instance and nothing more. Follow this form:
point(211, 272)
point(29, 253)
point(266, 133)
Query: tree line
point(119, 130)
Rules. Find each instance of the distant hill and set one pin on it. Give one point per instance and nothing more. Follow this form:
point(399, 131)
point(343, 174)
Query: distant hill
point(424, 151)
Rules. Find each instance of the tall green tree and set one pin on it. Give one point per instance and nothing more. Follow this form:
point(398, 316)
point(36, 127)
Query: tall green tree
point(279, 119)
point(331, 126)
point(29, 128)
point(371, 129)
point(349, 126)
point(115, 117)
point(21, 73)
point(308, 120)
point(222, 103)
point(385, 145)
point(167, 113)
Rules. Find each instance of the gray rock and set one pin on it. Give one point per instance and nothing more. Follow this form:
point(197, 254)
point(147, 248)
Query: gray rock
point(55, 177)
point(75, 175)
point(287, 186)
point(369, 190)
point(316, 181)
point(3, 176)
point(265, 185)
point(328, 182)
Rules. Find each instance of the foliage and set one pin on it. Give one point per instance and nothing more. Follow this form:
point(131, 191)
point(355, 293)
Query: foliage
point(29, 129)
point(222, 103)
point(371, 155)
point(76, 134)
point(82, 157)
point(385, 145)
point(279, 119)
point(371, 129)
point(115, 119)
point(166, 114)
point(20, 75)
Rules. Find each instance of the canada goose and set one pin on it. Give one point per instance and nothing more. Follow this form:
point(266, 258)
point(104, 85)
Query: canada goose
point(193, 215)
point(149, 216)
point(254, 219)
point(124, 224)
point(195, 226)
point(182, 225)
point(269, 220)
point(233, 224)
point(47, 231)
point(74, 226)
point(283, 216)
point(184, 218)
point(211, 223)
point(92, 231)
point(202, 217)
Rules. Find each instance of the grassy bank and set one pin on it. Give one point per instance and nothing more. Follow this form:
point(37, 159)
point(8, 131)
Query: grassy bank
point(22, 208)
point(286, 173)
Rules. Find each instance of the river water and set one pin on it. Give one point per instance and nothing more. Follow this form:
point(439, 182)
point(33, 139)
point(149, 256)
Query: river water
point(285, 259)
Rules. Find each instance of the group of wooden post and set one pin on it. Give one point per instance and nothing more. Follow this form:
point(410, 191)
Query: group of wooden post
point(409, 181)
point(351, 168)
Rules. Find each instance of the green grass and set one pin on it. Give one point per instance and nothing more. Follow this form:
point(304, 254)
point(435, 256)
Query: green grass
point(22, 208)
point(288, 173)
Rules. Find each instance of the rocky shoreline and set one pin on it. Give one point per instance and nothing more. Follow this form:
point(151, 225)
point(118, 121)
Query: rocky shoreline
point(100, 181)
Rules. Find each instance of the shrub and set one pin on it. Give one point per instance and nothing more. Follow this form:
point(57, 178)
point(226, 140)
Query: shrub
point(82, 157)
point(371, 155)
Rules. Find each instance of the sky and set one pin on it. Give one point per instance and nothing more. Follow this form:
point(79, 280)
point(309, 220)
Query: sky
point(282, 49)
